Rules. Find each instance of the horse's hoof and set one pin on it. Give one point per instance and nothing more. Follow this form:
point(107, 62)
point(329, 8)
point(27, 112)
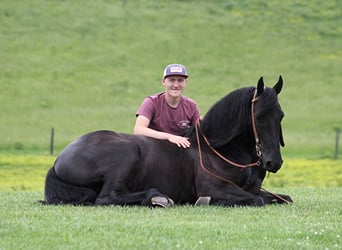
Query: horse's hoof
point(203, 201)
point(164, 202)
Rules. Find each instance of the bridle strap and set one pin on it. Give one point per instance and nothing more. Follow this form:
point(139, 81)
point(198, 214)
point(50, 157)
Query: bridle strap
point(255, 132)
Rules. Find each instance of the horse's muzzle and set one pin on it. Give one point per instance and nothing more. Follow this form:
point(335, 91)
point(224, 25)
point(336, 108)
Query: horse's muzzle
point(272, 166)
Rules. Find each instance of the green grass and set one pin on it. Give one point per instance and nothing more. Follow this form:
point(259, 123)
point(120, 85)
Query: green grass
point(83, 67)
point(312, 222)
point(24, 172)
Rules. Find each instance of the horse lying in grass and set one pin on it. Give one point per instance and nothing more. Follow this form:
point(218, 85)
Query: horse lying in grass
point(232, 148)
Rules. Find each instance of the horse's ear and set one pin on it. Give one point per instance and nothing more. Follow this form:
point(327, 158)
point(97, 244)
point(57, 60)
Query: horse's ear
point(260, 87)
point(279, 85)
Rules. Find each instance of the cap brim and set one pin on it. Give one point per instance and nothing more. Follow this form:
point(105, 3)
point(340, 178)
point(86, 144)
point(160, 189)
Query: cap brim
point(176, 75)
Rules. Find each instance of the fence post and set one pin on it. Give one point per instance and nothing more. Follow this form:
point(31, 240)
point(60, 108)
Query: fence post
point(338, 130)
point(52, 135)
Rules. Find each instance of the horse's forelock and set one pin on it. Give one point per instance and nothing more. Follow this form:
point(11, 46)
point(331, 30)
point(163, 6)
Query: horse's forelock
point(269, 97)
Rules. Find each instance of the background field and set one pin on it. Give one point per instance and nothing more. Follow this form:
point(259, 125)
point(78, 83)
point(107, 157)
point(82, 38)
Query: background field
point(83, 67)
point(27, 173)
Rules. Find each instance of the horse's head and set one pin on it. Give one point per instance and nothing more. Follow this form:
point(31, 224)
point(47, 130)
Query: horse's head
point(227, 126)
point(267, 122)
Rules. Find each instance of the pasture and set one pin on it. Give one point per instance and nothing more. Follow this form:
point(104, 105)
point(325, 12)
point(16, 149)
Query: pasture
point(312, 222)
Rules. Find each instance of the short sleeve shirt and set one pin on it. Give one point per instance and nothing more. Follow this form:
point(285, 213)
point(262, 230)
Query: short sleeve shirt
point(165, 118)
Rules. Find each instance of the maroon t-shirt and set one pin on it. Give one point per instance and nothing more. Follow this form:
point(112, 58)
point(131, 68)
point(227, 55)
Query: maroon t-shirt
point(167, 119)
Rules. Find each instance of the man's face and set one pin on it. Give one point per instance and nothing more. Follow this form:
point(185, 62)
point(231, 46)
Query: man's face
point(174, 85)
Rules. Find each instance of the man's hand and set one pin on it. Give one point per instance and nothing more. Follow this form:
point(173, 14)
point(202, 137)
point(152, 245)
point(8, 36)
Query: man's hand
point(180, 141)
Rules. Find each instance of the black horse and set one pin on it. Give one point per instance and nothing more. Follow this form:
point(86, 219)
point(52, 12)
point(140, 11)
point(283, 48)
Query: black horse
point(232, 148)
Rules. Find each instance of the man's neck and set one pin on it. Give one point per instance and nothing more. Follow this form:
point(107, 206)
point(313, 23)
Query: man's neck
point(172, 101)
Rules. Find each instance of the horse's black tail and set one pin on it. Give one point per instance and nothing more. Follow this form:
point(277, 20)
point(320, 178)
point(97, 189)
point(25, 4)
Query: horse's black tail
point(58, 192)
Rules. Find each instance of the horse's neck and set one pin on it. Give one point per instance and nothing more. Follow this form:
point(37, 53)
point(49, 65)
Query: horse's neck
point(241, 148)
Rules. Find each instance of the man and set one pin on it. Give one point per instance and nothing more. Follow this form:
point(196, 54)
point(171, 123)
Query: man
point(167, 115)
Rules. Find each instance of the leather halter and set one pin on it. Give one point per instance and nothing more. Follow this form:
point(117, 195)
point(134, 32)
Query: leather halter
point(257, 140)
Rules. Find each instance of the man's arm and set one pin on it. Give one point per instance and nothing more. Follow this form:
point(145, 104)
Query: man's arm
point(141, 128)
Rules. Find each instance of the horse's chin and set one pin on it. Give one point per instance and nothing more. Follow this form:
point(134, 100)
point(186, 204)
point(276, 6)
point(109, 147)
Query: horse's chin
point(271, 167)
point(273, 170)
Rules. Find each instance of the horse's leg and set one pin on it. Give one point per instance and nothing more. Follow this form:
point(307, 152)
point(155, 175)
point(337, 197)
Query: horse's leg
point(115, 192)
point(243, 198)
point(272, 198)
point(232, 196)
point(59, 192)
point(237, 201)
point(150, 197)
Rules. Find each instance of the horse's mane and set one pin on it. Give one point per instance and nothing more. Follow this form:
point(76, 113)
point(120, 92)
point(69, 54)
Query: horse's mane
point(228, 117)
point(231, 115)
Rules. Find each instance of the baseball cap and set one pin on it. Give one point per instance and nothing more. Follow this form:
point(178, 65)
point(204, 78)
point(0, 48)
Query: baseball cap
point(175, 70)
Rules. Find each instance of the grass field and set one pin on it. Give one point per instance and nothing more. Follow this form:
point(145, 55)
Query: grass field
point(312, 222)
point(83, 67)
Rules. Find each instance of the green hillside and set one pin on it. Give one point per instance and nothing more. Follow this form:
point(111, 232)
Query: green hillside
point(86, 65)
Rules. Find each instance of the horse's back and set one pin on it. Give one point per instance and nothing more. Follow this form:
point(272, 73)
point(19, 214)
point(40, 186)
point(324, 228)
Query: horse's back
point(87, 158)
